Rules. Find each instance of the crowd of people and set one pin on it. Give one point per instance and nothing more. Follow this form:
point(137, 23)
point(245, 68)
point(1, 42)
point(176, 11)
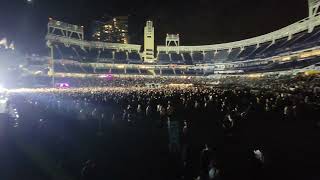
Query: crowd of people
point(267, 82)
point(108, 81)
point(229, 131)
point(284, 83)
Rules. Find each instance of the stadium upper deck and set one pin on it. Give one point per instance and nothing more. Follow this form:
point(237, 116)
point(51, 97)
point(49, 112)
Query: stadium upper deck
point(294, 46)
point(298, 36)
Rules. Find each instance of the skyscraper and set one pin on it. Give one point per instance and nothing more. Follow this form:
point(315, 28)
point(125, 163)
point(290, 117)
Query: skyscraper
point(114, 30)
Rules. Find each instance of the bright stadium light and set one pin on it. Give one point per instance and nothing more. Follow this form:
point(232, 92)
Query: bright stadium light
point(2, 89)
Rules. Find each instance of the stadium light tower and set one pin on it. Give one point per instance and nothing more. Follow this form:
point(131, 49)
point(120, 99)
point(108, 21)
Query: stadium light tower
point(56, 30)
point(51, 62)
point(172, 38)
point(313, 7)
point(29, 1)
point(149, 42)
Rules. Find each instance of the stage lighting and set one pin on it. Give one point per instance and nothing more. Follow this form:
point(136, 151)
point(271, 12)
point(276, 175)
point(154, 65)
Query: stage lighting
point(2, 89)
point(3, 104)
point(30, 1)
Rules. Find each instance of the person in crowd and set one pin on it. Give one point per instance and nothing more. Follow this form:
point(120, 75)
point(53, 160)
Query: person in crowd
point(279, 115)
point(205, 160)
point(89, 171)
point(214, 172)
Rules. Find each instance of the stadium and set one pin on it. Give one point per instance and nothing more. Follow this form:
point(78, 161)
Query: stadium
point(294, 47)
point(93, 110)
point(291, 50)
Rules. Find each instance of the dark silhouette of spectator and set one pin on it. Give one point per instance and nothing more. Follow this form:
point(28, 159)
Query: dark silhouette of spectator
point(89, 171)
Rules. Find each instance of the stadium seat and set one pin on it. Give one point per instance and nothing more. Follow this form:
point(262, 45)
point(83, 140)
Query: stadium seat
point(67, 52)
point(93, 55)
point(313, 36)
point(178, 72)
point(187, 58)
point(106, 54)
point(209, 56)
point(221, 55)
point(157, 71)
point(132, 71)
point(82, 53)
point(134, 56)
point(295, 38)
point(117, 71)
point(190, 72)
point(164, 58)
point(299, 38)
point(271, 50)
point(58, 67)
point(74, 68)
point(197, 57)
point(144, 72)
point(87, 69)
point(120, 57)
point(102, 70)
point(262, 47)
point(301, 41)
point(246, 52)
point(176, 58)
point(233, 55)
point(167, 71)
point(57, 54)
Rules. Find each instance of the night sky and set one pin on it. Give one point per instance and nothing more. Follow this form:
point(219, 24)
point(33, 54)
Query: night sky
point(197, 21)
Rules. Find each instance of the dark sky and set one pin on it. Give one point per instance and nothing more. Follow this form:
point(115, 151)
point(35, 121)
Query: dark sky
point(197, 21)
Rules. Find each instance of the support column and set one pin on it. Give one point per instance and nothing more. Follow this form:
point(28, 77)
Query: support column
point(52, 71)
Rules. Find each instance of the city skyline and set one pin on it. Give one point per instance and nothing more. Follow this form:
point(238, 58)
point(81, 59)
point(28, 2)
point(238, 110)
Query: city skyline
point(111, 29)
point(197, 23)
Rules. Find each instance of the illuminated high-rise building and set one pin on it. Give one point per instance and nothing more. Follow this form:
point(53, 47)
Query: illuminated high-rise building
point(115, 30)
point(149, 42)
